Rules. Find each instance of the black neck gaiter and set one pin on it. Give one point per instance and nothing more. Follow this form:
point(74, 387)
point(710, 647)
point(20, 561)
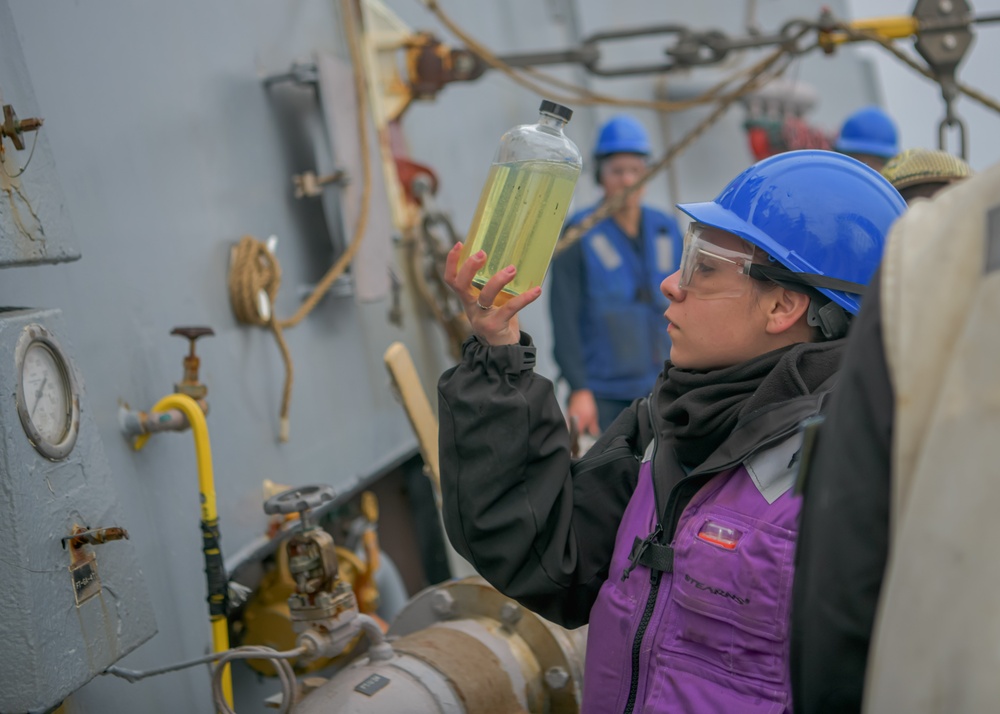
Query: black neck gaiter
point(702, 408)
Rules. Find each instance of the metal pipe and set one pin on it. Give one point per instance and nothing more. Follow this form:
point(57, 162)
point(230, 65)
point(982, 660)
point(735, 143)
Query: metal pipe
point(214, 566)
point(137, 425)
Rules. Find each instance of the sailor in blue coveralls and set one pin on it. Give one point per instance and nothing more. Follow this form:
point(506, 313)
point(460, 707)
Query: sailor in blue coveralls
point(606, 305)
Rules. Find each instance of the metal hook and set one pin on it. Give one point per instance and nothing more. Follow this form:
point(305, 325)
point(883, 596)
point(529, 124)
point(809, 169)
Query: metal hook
point(950, 121)
point(949, 91)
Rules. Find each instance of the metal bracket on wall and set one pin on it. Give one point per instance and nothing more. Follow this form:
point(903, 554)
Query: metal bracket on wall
point(309, 185)
point(299, 72)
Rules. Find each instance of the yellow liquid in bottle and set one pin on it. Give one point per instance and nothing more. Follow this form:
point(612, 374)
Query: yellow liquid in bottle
point(520, 214)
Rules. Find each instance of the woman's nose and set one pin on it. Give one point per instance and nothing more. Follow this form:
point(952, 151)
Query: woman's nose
point(671, 287)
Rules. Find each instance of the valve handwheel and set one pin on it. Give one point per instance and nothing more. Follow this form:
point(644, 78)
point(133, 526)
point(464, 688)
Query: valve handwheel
point(299, 499)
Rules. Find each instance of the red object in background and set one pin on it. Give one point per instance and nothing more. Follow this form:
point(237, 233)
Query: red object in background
point(406, 168)
point(797, 134)
point(768, 137)
point(760, 143)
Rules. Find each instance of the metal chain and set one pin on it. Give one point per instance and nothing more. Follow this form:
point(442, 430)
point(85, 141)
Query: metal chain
point(427, 260)
point(584, 96)
point(611, 204)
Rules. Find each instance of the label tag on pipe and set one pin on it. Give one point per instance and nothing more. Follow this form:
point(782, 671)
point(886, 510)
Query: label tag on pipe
point(86, 582)
point(372, 685)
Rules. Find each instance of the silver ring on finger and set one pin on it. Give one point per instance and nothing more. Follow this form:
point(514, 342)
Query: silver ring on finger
point(485, 308)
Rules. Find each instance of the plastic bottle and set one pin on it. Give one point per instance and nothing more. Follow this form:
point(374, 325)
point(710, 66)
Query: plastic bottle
point(524, 202)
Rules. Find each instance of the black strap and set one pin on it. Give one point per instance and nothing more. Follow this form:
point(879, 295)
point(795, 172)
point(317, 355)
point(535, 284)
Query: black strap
point(779, 274)
point(648, 551)
point(654, 556)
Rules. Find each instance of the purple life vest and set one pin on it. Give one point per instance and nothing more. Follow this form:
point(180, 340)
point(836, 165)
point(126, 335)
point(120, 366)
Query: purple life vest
point(715, 640)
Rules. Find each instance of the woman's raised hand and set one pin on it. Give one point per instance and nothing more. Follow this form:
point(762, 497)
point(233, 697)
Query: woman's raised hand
point(496, 325)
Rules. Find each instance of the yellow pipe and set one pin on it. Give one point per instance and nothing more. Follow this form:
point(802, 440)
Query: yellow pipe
point(209, 512)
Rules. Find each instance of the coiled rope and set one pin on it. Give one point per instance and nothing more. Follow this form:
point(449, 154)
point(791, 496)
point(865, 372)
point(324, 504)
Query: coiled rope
point(255, 269)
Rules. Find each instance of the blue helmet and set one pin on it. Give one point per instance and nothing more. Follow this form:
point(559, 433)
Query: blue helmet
point(621, 135)
point(868, 131)
point(822, 215)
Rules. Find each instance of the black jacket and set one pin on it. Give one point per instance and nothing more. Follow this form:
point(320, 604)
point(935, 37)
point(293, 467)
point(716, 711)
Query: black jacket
point(843, 536)
point(537, 526)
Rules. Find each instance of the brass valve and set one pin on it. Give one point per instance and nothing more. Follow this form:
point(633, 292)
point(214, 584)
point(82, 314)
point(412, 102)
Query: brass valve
point(321, 597)
point(190, 384)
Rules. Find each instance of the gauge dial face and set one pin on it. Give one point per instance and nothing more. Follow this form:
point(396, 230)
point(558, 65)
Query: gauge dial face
point(47, 398)
point(46, 393)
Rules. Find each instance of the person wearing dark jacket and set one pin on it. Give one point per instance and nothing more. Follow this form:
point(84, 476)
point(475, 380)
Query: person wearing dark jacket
point(844, 534)
point(892, 607)
point(674, 537)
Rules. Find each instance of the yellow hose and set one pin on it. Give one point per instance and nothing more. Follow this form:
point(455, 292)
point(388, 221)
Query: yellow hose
point(209, 513)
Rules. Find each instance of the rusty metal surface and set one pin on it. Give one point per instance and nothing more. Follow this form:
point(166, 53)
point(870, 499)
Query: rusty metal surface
point(94, 536)
point(548, 646)
point(475, 672)
point(431, 65)
point(13, 127)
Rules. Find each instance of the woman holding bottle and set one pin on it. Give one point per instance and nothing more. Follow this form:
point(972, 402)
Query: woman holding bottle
point(674, 536)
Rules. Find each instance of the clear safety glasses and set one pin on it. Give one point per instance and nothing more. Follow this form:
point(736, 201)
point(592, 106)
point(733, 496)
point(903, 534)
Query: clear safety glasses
point(710, 271)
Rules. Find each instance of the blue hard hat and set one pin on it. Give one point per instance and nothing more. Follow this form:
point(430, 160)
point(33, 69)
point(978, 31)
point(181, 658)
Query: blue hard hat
point(820, 214)
point(868, 131)
point(621, 135)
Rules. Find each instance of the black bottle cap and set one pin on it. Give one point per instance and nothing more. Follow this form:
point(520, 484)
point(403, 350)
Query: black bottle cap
point(556, 109)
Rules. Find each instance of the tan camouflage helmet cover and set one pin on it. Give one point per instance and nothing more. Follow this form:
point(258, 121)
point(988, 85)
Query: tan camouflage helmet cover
point(918, 166)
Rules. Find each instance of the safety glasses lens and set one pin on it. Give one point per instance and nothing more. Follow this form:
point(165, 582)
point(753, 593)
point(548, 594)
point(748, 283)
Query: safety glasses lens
point(709, 270)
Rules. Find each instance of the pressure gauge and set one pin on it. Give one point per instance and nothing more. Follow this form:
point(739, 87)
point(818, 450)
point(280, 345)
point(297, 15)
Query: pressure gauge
point(47, 398)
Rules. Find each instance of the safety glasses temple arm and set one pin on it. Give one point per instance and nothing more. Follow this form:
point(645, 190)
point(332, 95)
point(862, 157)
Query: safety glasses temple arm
point(775, 273)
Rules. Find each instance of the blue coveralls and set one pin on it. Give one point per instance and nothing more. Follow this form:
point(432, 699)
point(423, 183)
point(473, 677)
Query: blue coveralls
point(607, 309)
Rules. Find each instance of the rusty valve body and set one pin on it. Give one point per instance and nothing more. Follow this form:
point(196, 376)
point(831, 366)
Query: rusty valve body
point(190, 384)
point(13, 127)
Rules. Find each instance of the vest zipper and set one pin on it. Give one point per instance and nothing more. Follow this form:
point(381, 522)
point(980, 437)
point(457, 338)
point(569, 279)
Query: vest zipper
point(655, 575)
point(647, 615)
point(654, 582)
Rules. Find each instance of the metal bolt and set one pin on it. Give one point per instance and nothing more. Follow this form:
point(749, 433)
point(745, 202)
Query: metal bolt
point(949, 41)
point(510, 614)
point(442, 603)
point(556, 677)
point(464, 64)
point(945, 7)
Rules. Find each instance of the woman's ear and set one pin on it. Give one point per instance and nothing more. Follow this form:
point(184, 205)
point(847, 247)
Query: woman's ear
point(786, 310)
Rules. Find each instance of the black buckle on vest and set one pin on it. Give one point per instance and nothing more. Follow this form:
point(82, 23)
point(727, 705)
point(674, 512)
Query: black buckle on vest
point(653, 555)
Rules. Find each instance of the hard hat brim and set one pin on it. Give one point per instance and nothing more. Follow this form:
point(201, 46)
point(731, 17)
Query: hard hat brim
point(859, 146)
point(714, 215)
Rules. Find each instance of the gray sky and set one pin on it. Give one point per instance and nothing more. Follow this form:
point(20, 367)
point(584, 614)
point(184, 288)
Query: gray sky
point(915, 102)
